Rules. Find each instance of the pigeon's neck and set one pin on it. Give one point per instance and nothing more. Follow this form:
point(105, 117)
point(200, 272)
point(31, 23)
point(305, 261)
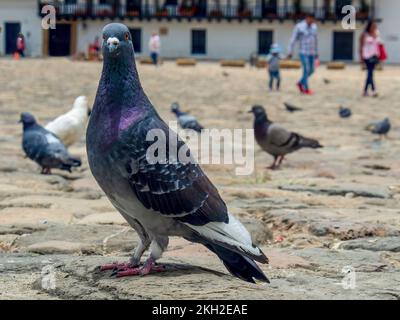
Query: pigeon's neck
point(261, 120)
point(121, 85)
point(179, 113)
point(29, 126)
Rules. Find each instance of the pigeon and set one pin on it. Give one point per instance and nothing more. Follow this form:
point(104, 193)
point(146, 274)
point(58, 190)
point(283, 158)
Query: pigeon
point(70, 126)
point(327, 81)
point(291, 108)
point(345, 112)
point(186, 121)
point(381, 128)
point(45, 148)
point(160, 197)
point(276, 140)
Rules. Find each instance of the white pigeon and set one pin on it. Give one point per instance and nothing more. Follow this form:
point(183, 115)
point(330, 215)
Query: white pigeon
point(70, 126)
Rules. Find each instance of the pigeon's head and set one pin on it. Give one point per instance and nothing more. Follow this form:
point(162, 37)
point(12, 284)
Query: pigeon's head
point(386, 120)
point(258, 110)
point(259, 113)
point(81, 103)
point(117, 42)
point(27, 119)
point(175, 107)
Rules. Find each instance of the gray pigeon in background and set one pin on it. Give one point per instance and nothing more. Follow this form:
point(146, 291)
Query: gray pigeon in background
point(158, 194)
point(381, 128)
point(276, 140)
point(326, 81)
point(185, 120)
point(45, 148)
point(345, 112)
point(291, 108)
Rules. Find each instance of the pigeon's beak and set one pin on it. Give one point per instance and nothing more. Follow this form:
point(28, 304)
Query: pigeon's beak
point(112, 44)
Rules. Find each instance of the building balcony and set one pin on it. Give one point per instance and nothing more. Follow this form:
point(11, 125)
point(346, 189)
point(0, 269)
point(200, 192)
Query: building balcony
point(237, 10)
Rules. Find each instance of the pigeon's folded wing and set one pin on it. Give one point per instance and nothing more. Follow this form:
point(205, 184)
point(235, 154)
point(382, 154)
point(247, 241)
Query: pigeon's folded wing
point(175, 188)
point(279, 136)
point(34, 144)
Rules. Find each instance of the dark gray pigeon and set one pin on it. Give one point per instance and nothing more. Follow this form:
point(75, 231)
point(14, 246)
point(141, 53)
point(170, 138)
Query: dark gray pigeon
point(160, 197)
point(345, 112)
point(276, 140)
point(327, 81)
point(291, 108)
point(45, 148)
point(185, 120)
point(381, 128)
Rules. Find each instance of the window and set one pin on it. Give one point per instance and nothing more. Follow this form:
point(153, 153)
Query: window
point(199, 41)
point(264, 41)
point(136, 39)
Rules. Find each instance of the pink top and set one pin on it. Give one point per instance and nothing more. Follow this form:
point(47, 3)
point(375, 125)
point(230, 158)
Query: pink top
point(370, 47)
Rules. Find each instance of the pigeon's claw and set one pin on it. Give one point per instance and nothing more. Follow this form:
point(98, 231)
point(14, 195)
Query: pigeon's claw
point(116, 266)
point(148, 268)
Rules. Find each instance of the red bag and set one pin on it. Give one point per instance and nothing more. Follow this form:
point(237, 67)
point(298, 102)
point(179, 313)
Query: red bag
point(382, 52)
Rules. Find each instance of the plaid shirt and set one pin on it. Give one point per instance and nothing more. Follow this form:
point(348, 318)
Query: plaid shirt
point(307, 37)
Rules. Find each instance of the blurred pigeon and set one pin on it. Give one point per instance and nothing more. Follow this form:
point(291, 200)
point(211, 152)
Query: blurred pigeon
point(186, 121)
point(291, 108)
point(327, 81)
point(276, 140)
point(158, 194)
point(70, 126)
point(381, 128)
point(345, 112)
point(225, 74)
point(253, 59)
point(43, 147)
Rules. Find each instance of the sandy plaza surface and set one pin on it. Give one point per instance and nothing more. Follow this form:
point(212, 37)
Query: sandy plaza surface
point(329, 219)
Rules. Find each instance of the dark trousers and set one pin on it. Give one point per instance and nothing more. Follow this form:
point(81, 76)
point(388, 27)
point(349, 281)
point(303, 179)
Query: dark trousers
point(274, 75)
point(154, 57)
point(370, 74)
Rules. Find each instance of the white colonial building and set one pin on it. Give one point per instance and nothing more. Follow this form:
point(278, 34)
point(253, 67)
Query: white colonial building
point(205, 29)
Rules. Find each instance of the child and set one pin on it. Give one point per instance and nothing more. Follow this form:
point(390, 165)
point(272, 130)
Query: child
point(273, 66)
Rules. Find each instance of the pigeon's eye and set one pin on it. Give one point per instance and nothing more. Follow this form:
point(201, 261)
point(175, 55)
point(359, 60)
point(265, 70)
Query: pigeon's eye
point(127, 36)
point(104, 37)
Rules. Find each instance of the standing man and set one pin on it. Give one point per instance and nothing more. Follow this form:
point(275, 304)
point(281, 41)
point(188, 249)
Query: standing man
point(306, 33)
point(20, 44)
point(154, 47)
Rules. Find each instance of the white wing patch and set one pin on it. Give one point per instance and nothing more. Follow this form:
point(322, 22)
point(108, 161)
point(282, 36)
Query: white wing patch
point(51, 139)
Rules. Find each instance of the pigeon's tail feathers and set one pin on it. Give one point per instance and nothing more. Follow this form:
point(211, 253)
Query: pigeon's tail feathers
point(309, 143)
point(238, 265)
point(196, 127)
point(231, 235)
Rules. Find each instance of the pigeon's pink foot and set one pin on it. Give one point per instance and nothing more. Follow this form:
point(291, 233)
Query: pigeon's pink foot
point(148, 268)
point(116, 266)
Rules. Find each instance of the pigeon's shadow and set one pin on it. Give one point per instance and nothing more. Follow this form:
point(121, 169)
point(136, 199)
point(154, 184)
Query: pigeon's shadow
point(171, 270)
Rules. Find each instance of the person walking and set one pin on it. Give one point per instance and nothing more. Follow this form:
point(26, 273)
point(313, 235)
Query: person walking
point(369, 55)
point(154, 47)
point(273, 60)
point(306, 33)
point(21, 44)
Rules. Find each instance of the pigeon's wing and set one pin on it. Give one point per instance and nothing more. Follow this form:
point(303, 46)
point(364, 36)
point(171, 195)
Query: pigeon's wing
point(34, 144)
point(279, 136)
point(170, 186)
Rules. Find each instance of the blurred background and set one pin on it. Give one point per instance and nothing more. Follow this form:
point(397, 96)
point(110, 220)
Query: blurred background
point(328, 219)
point(205, 29)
